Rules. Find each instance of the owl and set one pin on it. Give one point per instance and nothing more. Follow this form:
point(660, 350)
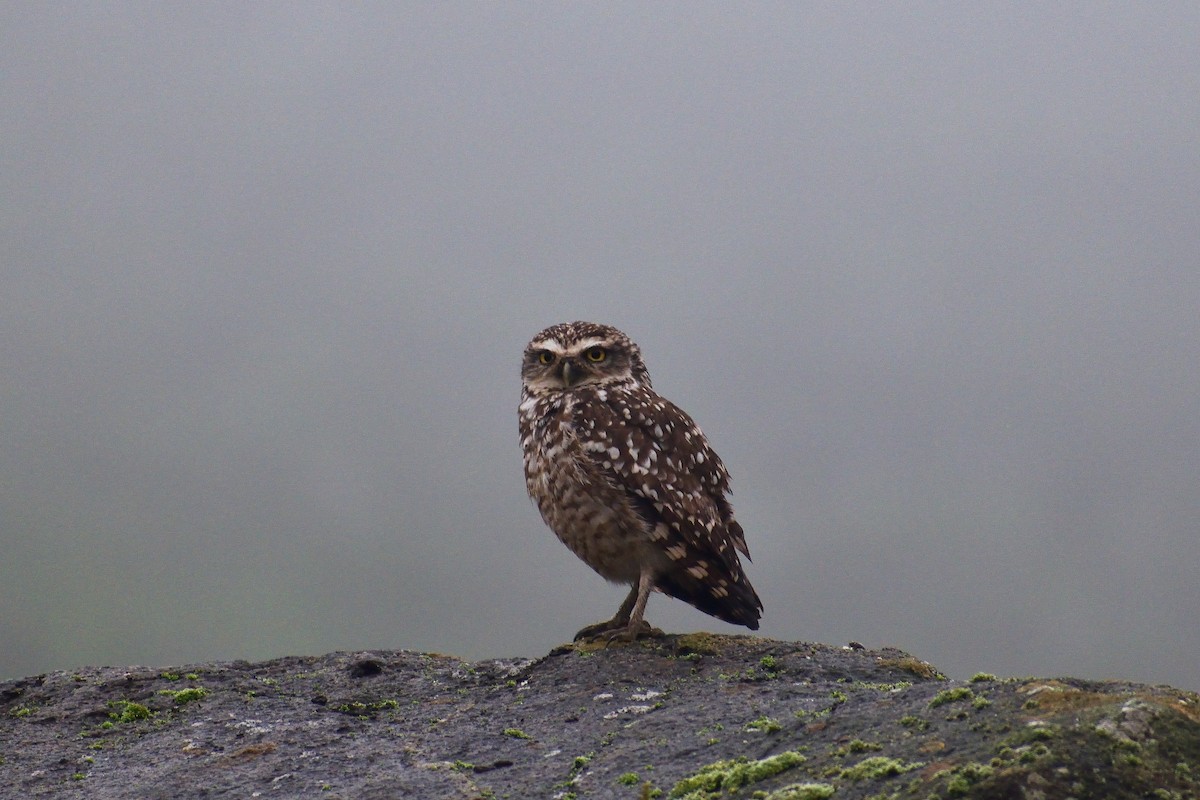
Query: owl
point(626, 479)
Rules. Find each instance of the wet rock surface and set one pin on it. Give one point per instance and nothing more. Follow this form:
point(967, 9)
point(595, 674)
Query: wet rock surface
point(697, 715)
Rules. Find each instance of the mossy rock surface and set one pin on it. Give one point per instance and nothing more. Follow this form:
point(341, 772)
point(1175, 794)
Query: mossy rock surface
point(696, 715)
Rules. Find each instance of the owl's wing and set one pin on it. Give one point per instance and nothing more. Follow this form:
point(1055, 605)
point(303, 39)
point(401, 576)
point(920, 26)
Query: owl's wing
point(656, 453)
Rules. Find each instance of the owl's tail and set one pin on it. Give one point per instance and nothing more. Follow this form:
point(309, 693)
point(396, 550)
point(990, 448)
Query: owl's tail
point(730, 598)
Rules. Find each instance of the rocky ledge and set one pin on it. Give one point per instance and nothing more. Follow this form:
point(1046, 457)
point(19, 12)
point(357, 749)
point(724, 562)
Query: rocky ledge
point(691, 716)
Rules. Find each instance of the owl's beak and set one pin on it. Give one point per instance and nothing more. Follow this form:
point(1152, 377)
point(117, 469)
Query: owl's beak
point(568, 373)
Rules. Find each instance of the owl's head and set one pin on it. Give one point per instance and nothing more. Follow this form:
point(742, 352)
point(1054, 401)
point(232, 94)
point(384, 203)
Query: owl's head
point(575, 354)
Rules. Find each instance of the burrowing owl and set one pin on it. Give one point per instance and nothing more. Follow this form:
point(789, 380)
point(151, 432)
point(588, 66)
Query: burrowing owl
point(626, 480)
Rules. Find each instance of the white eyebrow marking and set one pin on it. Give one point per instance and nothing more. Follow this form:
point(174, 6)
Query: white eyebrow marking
point(591, 341)
point(551, 344)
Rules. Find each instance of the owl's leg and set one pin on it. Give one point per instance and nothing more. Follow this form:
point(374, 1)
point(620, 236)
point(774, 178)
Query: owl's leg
point(617, 622)
point(628, 624)
point(635, 626)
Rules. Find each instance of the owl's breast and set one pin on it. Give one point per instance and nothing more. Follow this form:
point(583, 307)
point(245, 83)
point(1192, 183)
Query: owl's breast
point(588, 512)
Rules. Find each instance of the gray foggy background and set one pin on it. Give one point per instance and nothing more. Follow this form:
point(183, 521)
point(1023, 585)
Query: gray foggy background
point(928, 275)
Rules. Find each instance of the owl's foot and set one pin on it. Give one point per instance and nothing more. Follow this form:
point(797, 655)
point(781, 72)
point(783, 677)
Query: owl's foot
point(600, 629)
point(632, 632)
point(617, 631)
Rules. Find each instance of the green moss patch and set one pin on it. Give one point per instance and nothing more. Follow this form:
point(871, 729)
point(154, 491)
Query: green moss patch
point(877, 767)
point(127, 711)
point(951, 696)
point(802, 791)
point(725, 776)
point(189, 695)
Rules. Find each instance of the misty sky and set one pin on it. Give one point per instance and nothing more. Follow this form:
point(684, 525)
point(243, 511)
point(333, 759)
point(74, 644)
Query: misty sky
point(928, 276)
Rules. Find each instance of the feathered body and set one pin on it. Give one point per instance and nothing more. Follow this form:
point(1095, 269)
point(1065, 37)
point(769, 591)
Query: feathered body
point(627, 480)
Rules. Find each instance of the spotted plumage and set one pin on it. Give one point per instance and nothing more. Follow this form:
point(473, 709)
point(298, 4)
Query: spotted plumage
point(627, 480)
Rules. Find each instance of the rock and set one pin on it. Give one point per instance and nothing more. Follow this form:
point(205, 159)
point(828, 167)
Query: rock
point(696, 716)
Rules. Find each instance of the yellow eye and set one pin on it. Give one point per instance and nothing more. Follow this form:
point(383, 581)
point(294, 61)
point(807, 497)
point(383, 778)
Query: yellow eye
point(545, 357)
point(596, 354)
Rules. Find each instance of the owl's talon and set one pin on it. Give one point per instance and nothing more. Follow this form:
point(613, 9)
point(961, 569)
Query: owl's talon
point(631, 633)
point(599, 629)
point(608, 632)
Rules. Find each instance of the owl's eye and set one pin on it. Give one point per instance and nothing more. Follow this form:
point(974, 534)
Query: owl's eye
point(545, 357)
point(596, 354)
